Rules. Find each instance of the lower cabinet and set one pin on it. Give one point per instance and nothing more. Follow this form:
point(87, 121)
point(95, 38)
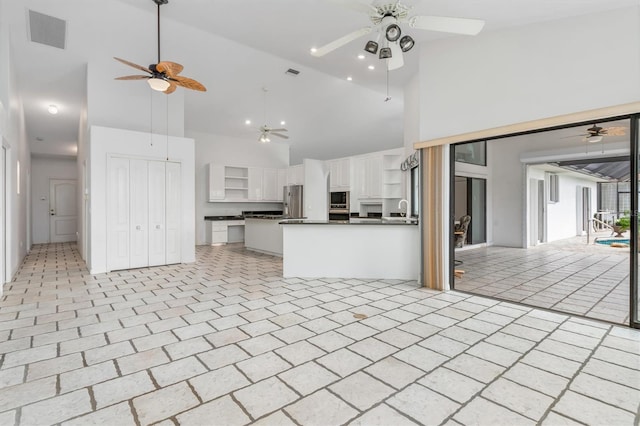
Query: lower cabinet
point(143, 207)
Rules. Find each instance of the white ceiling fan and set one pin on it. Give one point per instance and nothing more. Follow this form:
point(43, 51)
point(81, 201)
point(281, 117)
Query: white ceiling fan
point(266, 131)
point(386, 19)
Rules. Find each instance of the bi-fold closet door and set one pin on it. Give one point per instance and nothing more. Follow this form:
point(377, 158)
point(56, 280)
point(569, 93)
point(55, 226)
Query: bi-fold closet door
point(143, 205)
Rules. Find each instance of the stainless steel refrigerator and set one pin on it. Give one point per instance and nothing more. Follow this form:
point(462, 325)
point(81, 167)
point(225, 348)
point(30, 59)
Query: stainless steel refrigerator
point(292, 201)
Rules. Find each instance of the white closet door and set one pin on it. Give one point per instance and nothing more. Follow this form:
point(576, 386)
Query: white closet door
point(157, 206)
point(139, 213)
point(118, 227)
point(173, 213)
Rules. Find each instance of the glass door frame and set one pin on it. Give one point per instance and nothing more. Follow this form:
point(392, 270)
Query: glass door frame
point(634, 153)
point(634, 138)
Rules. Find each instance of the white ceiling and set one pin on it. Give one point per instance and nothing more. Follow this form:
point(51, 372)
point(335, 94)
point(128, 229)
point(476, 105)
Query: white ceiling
point(326, 115)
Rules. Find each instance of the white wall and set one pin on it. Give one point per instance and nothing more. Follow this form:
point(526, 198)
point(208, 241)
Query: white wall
point(525, 73)
point(13, 138)
point(106, 141)
point(562, 215)
point(44, 169)
point(223, 150)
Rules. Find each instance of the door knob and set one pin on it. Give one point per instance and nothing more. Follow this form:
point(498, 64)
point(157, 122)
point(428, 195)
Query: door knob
point(158, 226)
point(53, 213)
point(138, 227)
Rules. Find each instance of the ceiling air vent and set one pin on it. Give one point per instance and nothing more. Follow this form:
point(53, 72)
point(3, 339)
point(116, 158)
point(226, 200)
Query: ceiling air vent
point(47, 30)
point(292, 72)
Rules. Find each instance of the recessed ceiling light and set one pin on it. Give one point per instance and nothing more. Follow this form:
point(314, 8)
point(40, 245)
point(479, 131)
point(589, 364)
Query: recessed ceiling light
point(282, 123)
point(247, 122)
point(314, 50)
point(361, 56)
point(349, 78)
point(371, 67)
point(52, 109)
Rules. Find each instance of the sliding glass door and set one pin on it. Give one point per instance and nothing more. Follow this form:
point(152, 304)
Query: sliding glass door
point(635, 235)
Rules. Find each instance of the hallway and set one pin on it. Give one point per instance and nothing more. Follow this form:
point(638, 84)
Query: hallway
point(227, 341)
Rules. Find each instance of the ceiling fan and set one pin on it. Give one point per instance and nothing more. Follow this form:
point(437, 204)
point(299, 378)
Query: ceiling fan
point(163, 76)
point(385, 18)
point(595, 133)
point(265, 130)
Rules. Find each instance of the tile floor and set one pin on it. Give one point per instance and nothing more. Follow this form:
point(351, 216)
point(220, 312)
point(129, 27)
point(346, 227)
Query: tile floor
point(584, 280)
point(228, 341)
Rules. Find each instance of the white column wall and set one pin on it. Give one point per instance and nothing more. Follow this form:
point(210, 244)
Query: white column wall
point(13, 138)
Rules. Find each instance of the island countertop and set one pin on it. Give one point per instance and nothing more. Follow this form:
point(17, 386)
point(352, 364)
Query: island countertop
point(353, 221)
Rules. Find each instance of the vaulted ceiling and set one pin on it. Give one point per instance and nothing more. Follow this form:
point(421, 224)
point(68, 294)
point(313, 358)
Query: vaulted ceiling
point(236, 47)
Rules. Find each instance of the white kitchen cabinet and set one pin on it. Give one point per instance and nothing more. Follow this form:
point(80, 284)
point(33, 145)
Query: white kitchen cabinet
point(340, 174)
point(219, 234)
point(368, 172)
point(270, 185)
point(143, 206)
point(216, 182)
point(255, 183)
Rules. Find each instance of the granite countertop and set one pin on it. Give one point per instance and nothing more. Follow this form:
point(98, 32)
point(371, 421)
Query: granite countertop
point(237, 217)
point(352, 221)
point(266, 216)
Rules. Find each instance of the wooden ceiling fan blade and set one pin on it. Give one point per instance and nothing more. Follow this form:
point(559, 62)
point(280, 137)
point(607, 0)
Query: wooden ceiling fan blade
point(448, 25)
point(330, 47)
point(279, 135)
point(131, 64)
point(172, 88)
point(278, 130)
point(188, 83)
point(616, 131)
point(133, 77)
point(171, 69)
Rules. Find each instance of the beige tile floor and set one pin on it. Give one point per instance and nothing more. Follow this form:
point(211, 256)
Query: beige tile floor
point(228, 341)
point(567, 276)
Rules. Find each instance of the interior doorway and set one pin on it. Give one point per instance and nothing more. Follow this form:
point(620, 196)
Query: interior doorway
point(62, 210)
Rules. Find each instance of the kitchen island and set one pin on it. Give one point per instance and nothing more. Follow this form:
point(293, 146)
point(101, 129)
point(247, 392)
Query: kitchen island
point(263, 234)
point(372, 249)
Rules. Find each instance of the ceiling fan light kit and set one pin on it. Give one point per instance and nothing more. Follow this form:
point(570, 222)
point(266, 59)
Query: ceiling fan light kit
point(387, 18)
point(163, 76)
point(371, 47)
point(385, 53)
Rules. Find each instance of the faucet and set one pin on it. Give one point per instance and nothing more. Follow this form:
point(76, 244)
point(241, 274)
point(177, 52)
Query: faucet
point(406, 207)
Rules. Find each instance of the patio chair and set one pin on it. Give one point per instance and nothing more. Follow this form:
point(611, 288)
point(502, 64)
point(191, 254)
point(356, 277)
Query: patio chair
point(460, 230)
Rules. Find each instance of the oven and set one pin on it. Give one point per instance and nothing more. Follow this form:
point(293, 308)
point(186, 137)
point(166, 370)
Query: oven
point(339, 205)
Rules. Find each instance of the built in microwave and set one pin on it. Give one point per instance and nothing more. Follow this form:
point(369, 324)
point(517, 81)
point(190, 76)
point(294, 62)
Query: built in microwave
point(339, 201)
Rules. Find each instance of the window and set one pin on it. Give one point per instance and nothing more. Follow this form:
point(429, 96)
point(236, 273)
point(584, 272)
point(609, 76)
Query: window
point(472, 153)
point(554, 188)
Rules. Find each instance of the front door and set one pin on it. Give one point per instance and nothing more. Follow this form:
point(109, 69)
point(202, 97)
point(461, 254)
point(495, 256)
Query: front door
point(62, 210)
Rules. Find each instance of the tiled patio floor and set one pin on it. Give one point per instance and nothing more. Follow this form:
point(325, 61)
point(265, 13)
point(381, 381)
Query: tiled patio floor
point(574, 278)
point(228, 341)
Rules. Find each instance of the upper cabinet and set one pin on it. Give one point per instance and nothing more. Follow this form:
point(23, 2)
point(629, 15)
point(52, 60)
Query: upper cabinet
point(242, 184)
point(216, 182)
point(368, 172)
point(340, 174)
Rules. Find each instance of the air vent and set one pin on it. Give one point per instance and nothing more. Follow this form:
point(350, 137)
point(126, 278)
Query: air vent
point(47, 30)
point(292, 72)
